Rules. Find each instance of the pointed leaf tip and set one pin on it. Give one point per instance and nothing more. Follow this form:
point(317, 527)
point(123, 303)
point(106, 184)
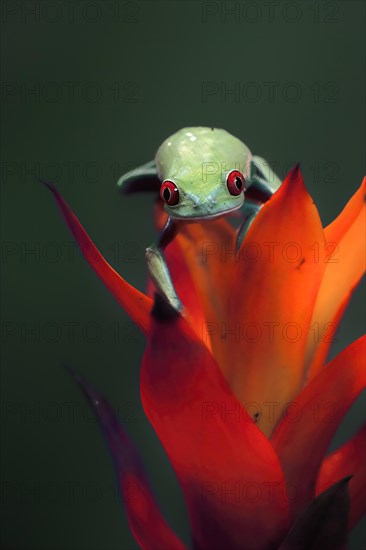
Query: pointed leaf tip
point(294, 174)
point(48, 183)
point(347, 479)
point(136, 304)
point(71, 371)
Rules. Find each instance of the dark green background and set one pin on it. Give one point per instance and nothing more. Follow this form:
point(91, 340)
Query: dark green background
point(58, 483)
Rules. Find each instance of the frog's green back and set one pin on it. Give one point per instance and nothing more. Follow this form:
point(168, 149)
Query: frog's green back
point(193, 151)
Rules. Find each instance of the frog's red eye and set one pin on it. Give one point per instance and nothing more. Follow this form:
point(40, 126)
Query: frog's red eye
point(169, 193)
point(235, 182)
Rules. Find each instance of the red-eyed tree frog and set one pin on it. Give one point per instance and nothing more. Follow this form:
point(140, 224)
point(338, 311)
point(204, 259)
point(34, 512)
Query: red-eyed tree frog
point(200, 173)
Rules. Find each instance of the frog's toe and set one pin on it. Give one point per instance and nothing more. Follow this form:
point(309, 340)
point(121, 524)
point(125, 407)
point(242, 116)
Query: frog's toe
point(160, 275)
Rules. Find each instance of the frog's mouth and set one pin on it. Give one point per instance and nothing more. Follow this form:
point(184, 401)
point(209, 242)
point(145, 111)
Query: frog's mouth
point(208, 217)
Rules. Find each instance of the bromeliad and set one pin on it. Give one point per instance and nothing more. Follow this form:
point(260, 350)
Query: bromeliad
point(231, 379)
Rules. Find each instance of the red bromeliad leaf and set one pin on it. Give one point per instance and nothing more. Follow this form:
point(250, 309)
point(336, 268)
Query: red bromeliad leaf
point(146, 522)
point(324, 523)
point(227, 468)
point(301, 439)
point(134, 302)
point(350, 459)
point(273, 290)
point(345, 265)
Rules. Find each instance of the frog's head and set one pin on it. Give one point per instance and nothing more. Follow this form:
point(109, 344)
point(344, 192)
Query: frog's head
point(194, 198)
point(203, 172)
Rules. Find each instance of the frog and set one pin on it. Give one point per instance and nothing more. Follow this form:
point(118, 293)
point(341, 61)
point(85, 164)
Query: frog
point(200, 174)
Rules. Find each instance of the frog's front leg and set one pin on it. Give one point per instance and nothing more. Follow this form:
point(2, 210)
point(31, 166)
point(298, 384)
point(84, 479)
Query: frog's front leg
point(250, 211)
point(158, 268)
point(261, 185)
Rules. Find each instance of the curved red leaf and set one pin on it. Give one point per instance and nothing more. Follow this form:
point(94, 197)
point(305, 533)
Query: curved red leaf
point(227, 468)
point(146, 522)
point(350, 459)
point(301, 439)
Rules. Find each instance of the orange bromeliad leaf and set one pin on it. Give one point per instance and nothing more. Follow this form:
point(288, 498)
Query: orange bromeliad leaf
point(134, 302)
point(350, 459)
point(225, 465)
point(301, 444)
point(208, 251)
point(196, 260)
point(346, 261)
point(185, 287)
point(209, 248)
point(273, 290)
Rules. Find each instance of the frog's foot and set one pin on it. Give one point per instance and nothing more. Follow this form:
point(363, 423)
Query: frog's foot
point(160, 275)
point(144, 178)
point(259, 190)
point(250, 210)
point(264, 173)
